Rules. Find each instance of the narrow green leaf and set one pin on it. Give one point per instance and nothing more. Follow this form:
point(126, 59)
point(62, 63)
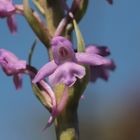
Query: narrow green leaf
point(43, 3)
point(31, 51)
point(37, 26)
point(80, 10)
point(80, 40)
point(38, 6)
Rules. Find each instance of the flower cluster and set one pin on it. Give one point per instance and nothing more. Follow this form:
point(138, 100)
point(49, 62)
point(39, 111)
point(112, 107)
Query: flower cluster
point(67, 65)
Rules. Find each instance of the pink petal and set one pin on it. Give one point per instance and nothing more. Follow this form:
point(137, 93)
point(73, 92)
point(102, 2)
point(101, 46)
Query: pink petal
point(67, 74)
point(46, 70)
point(101, 50)
point(91, 59)
point(101, 71)
point(12, 24)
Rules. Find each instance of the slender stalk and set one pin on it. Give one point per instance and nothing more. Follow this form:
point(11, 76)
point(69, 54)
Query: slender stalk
point(54, 14)
point(66, 125)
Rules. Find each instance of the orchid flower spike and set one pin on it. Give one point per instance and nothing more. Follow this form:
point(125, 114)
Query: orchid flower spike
point(67, 65)
point(7, 10)
point(12, 66)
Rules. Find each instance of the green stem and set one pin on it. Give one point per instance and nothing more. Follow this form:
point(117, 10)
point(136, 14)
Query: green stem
point(54, 14)
point(66, 125)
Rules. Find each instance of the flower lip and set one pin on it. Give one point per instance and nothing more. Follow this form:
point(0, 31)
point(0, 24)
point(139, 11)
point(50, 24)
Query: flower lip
point(67, 74)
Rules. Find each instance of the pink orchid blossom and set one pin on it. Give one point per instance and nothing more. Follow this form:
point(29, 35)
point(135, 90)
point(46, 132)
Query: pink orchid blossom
point(67, 65)
point(7, 10)
point(12, 66)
